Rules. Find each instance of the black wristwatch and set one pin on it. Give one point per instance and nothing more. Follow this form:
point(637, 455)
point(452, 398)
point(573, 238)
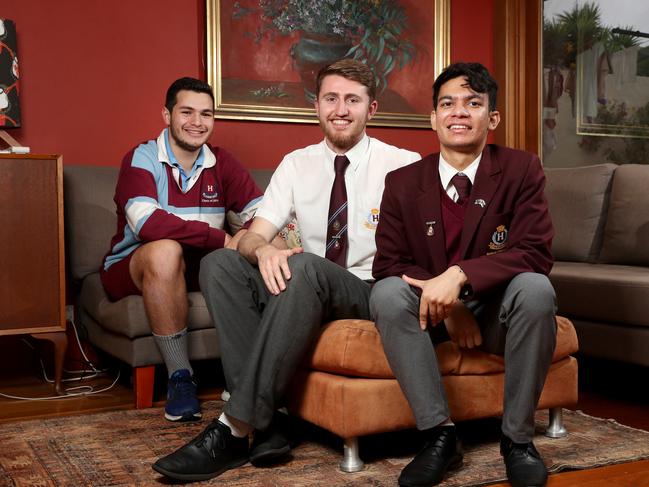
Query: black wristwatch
point(466, 293)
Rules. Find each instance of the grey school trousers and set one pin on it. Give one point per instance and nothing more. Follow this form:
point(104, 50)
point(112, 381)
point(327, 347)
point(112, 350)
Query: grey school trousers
point(263, 337)
point(517, 323)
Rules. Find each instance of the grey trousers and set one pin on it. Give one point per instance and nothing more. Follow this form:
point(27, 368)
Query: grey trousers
point(518, 323)
point(263, 337)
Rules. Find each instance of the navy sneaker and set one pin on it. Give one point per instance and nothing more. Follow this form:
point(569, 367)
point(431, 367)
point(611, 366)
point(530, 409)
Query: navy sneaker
point(182, 403)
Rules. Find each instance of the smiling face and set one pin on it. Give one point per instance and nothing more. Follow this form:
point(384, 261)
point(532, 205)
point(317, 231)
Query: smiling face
point(343, 107)
point(462, 120)
point(190, 122)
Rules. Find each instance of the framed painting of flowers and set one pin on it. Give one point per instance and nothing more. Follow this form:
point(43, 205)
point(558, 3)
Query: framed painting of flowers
point(263, 55)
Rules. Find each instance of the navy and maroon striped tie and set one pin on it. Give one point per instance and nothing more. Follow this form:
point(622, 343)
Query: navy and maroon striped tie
point(337, 222)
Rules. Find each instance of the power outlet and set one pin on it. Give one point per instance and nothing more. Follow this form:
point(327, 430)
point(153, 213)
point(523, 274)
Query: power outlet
point(69, 313)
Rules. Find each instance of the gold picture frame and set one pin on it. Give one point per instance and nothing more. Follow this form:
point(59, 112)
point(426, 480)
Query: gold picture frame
point(612, 96)
point(242, 93)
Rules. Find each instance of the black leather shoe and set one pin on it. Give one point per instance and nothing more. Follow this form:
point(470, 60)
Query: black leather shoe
point(271, 445)
point(441, 452)
point(524, 465)
point(210, 454)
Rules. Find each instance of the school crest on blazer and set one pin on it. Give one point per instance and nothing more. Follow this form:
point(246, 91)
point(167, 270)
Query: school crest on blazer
point(498, 239)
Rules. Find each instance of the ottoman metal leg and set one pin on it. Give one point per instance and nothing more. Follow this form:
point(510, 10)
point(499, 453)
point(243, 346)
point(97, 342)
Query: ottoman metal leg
point(351, 461)
point(556, 429)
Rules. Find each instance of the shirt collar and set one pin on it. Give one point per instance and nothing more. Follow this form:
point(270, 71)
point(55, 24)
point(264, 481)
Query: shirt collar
point(355, 155)
point(446, 171)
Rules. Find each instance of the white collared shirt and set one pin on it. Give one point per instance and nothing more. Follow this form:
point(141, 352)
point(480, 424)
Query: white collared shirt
point(446, 173)
point(301, 188)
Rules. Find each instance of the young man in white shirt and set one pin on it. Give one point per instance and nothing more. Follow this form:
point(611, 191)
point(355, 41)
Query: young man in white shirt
point(269, 304)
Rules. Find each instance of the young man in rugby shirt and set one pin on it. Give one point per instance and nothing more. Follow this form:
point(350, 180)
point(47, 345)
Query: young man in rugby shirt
point(177, 199)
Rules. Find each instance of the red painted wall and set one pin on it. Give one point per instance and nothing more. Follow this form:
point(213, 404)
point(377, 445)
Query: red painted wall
point(94, 74)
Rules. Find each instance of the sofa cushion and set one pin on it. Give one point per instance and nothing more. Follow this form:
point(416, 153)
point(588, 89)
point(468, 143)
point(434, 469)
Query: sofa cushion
point(578, 198)
point(350, 347)
point(90, 220)
point(126, 316)
point(626, 235)
point(622, 343)
point(353, 348)
point(615, 294)
point(262, 177)
point(476, 362)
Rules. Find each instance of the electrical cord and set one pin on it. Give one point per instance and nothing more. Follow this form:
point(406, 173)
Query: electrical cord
point(82, 390)
point(83, 353)
point(95, 372)
point(90, 390)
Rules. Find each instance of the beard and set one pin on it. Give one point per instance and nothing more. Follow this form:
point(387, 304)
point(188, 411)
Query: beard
point(342, 142)
point(183, 144)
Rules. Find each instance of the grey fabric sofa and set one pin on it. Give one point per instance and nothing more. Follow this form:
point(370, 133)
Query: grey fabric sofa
point(601, 249)
point(121, 329)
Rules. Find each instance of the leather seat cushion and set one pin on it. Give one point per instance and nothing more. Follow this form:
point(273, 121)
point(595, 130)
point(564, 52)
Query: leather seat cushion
point(353, 348)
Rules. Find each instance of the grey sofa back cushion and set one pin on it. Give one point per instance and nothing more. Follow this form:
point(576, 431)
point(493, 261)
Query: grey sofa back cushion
point(578, 199)
point(90, 220)
point(262, 177)
point(626, 235)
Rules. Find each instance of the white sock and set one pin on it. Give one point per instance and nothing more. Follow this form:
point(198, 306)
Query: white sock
point(238, 428)
point(447, 422)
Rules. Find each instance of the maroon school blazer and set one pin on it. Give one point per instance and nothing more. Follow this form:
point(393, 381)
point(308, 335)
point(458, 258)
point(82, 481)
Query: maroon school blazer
point(507, 227)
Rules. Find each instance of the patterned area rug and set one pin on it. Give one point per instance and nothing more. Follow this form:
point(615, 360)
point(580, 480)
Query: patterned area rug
point(118, 448)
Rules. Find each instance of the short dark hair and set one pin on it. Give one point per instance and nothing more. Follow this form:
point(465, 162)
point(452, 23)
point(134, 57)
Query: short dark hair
point(476, 75)
point(189, 84)
point(352, 70)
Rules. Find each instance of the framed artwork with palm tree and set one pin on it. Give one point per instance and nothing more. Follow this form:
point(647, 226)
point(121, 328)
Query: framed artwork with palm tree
point(605, 63)
point(263, 55)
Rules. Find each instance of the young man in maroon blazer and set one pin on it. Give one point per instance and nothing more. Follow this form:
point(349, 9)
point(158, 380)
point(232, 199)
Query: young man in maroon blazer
point(463, 249)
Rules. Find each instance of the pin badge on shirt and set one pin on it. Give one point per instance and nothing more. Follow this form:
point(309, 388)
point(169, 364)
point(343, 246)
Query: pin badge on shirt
point(430, 231)
point(480, 202)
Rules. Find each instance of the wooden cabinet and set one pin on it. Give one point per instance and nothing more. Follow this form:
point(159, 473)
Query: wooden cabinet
point(32, 267)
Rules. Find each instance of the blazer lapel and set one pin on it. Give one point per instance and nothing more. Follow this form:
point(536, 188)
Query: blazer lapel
point(486, 182)
point(429, 220)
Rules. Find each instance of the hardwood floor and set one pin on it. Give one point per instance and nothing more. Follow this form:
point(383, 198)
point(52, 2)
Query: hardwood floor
point(21, 375)
point(606, 389)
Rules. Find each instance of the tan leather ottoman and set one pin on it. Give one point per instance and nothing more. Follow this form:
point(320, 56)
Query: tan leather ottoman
point(348, 388)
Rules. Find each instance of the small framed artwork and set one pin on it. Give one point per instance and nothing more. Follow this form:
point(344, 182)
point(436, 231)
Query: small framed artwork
point(263, 55)
point(9, 102)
